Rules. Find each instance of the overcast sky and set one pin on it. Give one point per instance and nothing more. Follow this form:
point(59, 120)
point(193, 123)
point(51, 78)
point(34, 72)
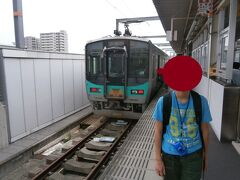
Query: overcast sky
point(83, 20)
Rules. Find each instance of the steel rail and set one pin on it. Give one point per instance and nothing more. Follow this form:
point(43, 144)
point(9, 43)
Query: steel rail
point(104, 158)
point(69, 153)
point(57, 163)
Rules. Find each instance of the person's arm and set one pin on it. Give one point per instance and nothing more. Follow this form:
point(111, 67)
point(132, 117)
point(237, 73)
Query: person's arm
point(160, 169)
point(205, 134)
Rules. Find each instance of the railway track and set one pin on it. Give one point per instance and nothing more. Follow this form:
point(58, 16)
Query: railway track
point(84, 159)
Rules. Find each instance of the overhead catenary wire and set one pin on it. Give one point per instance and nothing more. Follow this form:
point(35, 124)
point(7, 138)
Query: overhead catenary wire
point(127, 7)
point(113, 6)
point(121, 12)
point(133, 12)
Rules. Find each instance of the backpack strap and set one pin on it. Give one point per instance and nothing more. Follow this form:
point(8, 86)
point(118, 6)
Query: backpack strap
point(197, 103)
point(167, 107)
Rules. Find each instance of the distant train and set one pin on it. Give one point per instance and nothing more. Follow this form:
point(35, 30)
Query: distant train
point(121, 75)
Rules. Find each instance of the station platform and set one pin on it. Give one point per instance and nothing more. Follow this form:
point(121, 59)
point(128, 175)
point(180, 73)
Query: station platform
point(135, 159)
point(20, 151)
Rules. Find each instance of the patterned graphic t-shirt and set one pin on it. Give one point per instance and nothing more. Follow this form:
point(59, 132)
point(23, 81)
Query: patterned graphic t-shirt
point(182, 128)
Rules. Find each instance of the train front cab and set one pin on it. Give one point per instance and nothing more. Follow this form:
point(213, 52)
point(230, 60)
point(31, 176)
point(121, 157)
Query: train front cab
point(118, 77)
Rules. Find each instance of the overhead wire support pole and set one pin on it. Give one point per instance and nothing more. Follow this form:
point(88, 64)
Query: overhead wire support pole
point(18, 23)
point(156, 36)
point(135, 20)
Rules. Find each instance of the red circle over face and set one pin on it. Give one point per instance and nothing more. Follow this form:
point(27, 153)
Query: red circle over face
point(182, 73)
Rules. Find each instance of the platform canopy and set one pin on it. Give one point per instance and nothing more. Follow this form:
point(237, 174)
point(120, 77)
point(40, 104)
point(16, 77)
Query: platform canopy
point(179, 16)
point(181, 19)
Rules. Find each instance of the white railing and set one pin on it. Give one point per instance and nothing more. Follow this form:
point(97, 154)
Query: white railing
point(215, 93)
point(41, 88)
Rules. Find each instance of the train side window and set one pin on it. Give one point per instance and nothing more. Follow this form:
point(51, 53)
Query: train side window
point(138, 59)
point(94, 65)
point(154, 60)
point(160, 61)
point(163, 61)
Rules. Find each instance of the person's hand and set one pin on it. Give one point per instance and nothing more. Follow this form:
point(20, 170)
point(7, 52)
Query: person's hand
point(160, 168)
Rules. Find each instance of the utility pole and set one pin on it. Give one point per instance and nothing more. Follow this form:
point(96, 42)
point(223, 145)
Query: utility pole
point(18, 23)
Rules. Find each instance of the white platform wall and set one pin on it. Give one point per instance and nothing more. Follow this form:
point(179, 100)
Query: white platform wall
point(41, 88)
point(214, 92)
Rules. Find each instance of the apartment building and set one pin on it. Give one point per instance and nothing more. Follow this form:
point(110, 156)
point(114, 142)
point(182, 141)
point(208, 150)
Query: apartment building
point(32, 43)
point(54, 41)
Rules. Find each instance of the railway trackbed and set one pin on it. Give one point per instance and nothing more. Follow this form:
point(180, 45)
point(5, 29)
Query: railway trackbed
point(89, 155)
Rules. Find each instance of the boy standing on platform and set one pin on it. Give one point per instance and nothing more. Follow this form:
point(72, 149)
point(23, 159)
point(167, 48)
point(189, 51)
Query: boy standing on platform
point(181, 139)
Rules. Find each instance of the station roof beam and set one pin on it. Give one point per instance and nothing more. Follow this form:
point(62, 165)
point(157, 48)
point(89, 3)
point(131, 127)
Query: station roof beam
point(176, 16)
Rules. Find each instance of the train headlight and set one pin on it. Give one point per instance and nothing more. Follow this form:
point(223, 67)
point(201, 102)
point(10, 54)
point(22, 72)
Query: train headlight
point(95, 90)
point(139, 91)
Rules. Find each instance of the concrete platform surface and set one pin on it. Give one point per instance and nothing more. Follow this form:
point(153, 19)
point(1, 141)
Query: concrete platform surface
point(135, 159)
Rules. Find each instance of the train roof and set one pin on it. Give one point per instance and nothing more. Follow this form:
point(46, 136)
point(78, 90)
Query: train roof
point(119, 37)
point(126, 38)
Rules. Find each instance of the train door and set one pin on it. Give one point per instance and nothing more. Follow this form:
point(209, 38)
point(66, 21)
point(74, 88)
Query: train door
point(115, 72)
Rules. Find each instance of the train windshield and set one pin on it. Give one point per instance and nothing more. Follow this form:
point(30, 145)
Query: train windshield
point(115, 62)
point(138, 59)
